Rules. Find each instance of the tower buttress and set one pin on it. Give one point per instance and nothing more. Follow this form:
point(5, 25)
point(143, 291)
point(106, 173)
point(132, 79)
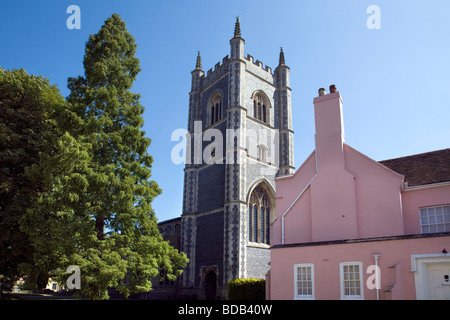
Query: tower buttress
point(190, 196)
point(286, 134)
point(235, 168)
point(195, 94)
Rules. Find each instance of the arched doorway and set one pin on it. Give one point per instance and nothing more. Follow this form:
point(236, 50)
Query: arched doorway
point(210, 285)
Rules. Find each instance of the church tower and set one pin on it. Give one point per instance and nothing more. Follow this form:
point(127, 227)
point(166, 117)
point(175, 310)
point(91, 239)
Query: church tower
point(240, 138)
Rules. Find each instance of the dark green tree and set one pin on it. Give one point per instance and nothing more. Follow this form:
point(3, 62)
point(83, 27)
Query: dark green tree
point(28, 105)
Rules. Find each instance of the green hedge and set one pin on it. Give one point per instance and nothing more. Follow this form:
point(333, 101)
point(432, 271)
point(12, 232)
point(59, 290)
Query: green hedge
point(247, 289)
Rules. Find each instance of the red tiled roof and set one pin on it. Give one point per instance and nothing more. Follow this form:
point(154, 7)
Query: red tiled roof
point(424, 168)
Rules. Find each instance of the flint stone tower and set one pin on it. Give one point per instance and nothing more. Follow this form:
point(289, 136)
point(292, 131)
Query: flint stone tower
point(229, 189)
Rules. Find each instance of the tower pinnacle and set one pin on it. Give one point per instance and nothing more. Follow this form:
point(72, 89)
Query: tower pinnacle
point(282, 61)
point(198, 64)
point(237, 28)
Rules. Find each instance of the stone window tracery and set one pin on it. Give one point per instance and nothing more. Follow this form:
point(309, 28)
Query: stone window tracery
point(259, 216)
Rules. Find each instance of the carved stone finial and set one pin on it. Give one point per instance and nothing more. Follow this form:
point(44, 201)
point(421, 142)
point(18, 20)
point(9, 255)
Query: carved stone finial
point(198, 64)
point(282, 61)
point(237, 28)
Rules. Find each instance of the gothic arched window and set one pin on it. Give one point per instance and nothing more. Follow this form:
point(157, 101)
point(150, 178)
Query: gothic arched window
point(261, 108)
point(215, 109)
point(259, 216)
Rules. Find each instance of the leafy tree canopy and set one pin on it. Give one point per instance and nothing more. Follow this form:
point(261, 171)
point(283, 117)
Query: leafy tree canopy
point(28, 105)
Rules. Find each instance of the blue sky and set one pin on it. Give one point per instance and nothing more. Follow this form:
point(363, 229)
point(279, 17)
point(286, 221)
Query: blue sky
point(394, 81)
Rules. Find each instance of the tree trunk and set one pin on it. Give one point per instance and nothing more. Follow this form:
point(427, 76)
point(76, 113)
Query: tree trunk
point(99, 226)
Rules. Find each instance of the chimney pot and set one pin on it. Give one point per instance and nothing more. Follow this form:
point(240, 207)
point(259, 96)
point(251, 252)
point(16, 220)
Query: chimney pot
point(332, 88)
point(322, 92)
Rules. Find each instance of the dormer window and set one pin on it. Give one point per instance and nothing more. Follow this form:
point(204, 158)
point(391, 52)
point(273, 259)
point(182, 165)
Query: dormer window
point(215, 109)
point(261, 108)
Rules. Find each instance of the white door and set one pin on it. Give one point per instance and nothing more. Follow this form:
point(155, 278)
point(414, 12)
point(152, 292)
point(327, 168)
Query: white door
point(439, 280)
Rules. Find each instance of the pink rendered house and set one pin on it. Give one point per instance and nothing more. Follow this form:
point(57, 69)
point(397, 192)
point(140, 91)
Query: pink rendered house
point(349, 227)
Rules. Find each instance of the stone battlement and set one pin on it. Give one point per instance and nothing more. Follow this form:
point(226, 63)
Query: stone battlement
point(213, 74)
point(258, 63)
point(256, 67)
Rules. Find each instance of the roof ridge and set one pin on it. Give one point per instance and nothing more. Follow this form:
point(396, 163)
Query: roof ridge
point(417, 154)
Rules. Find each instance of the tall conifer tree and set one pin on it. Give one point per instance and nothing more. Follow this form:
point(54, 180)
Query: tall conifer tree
point(128, 249)
point(98, 213)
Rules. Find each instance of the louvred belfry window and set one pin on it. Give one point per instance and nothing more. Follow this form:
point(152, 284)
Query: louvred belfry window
point(216, 109)
point(261, 108)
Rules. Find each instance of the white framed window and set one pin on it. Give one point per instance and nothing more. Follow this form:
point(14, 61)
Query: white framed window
point(435, 219)
point(351, 281)
point(304, 281)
